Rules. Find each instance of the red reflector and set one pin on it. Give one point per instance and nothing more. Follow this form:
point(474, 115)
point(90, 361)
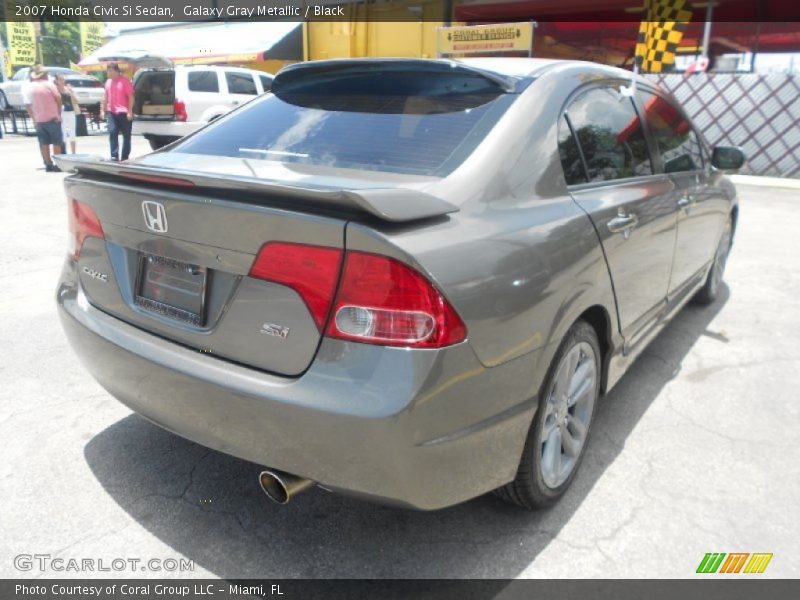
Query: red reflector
point(173, 181)
point(383, 301)
point(311, 271)
point(83, 223)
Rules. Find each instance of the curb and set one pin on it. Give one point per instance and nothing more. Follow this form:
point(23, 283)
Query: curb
point(778, 182)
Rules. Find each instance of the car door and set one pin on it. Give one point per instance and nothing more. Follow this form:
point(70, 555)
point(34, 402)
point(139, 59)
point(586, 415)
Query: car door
point(241, 87)
point(609, 171)
point(699, 204)
point(13, 89)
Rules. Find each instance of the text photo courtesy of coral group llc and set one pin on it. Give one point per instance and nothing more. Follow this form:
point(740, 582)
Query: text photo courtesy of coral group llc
point(399, 299)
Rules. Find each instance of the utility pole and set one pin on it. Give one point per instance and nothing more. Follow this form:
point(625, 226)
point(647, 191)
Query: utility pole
point(707, 28)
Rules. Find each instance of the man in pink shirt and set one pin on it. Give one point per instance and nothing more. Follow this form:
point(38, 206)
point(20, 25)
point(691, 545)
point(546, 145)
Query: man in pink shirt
point(45, 106)
point(118, 106)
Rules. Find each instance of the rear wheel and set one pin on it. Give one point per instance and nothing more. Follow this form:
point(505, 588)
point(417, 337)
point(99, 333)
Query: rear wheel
point(560, 430)
point(710, 290)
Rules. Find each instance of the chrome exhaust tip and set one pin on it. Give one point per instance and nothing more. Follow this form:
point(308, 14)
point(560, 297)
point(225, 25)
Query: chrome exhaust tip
point(281, 487)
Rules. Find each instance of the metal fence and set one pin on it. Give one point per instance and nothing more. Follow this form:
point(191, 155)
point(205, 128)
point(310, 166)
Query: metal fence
point(761, 113)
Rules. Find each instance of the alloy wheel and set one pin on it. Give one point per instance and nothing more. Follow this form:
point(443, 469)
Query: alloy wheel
point(568, 414)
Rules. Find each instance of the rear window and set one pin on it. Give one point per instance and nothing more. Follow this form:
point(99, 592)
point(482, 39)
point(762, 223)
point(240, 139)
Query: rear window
point(406, 123)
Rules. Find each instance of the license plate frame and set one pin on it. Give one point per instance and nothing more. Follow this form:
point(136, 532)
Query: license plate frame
point(160, 281)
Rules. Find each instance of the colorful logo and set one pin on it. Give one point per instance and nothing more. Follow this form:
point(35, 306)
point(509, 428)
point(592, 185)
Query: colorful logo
point(720, 562)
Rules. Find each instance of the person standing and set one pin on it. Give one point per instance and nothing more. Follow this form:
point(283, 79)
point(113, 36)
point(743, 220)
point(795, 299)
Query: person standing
point(118, 106)
point(46, 109)
point(69, 112)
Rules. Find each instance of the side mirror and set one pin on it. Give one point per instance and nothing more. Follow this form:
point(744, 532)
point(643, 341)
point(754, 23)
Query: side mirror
point(727, 158)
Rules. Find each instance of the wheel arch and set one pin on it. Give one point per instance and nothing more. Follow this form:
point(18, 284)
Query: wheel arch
point(598, 317)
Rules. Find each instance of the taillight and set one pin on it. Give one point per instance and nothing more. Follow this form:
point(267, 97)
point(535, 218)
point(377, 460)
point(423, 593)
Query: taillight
point(180, 110)
point(383, 301)
point(83, 223)
point(311, 271)
point(380, 300)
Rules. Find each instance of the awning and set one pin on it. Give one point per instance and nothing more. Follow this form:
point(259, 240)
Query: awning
point(738, 25)
point(209, 44)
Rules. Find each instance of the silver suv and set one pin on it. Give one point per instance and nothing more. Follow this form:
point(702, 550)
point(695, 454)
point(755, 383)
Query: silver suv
point(172, 101)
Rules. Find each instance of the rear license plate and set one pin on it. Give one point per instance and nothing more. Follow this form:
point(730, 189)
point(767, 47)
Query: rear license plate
point(171, 288)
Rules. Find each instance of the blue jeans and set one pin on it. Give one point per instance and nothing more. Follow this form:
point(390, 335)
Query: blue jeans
point(117, 124)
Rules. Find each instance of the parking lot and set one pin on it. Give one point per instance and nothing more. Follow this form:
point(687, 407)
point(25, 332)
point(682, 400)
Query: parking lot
point(694, 451)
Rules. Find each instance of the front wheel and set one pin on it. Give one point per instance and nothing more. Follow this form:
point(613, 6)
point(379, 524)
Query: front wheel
point(710, 290)
point(560, 430)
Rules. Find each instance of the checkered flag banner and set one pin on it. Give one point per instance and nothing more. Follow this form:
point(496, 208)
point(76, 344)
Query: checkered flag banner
point(660, 33)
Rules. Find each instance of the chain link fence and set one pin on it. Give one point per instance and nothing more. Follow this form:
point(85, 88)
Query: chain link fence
point(760, 113)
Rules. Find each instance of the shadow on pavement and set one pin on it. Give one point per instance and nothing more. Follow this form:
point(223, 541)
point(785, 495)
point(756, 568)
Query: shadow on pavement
point(208, 506)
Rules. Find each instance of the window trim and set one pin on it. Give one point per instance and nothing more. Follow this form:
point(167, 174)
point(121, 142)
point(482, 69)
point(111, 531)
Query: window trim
point(607, 83)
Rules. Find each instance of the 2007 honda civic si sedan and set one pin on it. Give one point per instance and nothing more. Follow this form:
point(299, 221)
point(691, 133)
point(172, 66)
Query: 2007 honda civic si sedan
point(405, 280)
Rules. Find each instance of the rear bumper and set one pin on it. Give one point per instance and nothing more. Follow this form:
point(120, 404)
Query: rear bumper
point(424, 429)
point(89, 96)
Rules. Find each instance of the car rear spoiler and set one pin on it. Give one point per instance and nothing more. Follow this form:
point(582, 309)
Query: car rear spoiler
point(388, 204)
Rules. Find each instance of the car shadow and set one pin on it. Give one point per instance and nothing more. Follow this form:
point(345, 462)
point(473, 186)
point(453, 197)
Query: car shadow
point(208, 505)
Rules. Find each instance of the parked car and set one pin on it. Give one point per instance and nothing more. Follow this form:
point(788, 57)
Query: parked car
point(175, 100)
point(405, 280)
point(88, 89)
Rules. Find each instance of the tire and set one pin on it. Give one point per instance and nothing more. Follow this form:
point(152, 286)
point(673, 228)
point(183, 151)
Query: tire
point(156, 143)
point(4, 105)
point(159, 141)
point(538, 484)
point(710, 290)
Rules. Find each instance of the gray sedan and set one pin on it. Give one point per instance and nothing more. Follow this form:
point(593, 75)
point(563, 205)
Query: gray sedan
point(406, 280)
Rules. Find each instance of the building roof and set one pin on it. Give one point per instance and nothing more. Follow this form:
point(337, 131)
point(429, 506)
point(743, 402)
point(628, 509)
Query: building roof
point(206, 43)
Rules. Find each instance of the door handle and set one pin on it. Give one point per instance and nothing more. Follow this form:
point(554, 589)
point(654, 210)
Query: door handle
point(234, 102)
point(623, 223)
point(686, 201)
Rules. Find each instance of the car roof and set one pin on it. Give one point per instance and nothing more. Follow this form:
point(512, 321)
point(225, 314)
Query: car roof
point(224, 68)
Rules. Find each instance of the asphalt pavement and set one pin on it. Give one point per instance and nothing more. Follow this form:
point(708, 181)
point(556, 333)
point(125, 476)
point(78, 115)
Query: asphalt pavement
point(696, 449)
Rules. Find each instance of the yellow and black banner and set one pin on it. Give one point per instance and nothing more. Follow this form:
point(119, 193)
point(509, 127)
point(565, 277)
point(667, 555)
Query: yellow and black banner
point(660, 33)
point(91, 36)
point(21, 37)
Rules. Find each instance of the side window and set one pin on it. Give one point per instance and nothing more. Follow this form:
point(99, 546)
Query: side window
point(203, 81)
point(677, 142)
point(266, 82)
point(21, 75)
point(610, 136)
point(240, 83)
point(570, 154)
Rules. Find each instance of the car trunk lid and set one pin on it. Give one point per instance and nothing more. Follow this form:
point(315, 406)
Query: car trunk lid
point(178, 254)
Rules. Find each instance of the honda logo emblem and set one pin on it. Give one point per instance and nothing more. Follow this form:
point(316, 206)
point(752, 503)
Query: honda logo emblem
point(155, 217)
